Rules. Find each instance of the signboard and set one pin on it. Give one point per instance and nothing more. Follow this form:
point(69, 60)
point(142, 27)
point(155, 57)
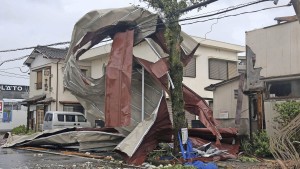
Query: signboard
point(16, 88)
point(1, 109)
point(1, 106)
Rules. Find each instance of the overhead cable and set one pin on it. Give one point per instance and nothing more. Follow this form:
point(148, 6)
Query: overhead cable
point(15, 76)
point(242, 13)
point(10, 60)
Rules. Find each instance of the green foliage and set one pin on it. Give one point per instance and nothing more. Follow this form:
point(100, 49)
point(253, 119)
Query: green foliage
point(246, 147)
point(259, 146)
point(248, 159)
point(20, 130)
point(287, 112)
point(164, 150)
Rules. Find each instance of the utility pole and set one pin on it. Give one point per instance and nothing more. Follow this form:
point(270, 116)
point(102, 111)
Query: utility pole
point(172, 11)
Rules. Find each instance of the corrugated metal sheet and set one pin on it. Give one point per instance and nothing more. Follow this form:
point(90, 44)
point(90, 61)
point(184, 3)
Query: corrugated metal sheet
point(118, 81)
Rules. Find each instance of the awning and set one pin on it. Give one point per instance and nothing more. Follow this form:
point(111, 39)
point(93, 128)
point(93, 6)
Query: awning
point(34, 99)
point(46, 100)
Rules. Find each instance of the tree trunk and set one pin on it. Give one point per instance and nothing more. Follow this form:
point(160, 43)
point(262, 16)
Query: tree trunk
point(173, 40)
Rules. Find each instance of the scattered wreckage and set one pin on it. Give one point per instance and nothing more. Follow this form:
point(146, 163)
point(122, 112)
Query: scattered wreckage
point(116, 97)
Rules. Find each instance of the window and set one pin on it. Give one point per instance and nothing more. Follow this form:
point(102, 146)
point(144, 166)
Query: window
point(39, 80)
point(103, 69)
point(190, 69)
point(61, 117)
point(283, 89)
point(49, 117)
point(236, 93)
point(81, 118)
point(83, 71)
point(222, 69)
point(70, 118)
point(68, 108)
point(73, 108)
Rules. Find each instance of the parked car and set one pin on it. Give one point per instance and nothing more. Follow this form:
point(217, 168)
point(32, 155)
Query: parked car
point(62, 119)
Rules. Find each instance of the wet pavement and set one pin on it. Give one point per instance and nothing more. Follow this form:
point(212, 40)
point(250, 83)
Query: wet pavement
point(23, 159)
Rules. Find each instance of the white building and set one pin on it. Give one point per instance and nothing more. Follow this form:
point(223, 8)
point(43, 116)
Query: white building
point(225, 105)
point(47, 91)
point(12, 114)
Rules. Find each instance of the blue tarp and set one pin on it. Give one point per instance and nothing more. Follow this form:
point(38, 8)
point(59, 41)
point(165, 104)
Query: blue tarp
point(7, 117)
point(189, 154)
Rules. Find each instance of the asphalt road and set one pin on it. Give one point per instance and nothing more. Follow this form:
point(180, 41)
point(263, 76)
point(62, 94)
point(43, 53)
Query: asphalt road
point(23, 159)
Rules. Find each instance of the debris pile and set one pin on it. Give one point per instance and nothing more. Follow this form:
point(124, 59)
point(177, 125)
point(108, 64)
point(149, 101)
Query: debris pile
point(116, 96)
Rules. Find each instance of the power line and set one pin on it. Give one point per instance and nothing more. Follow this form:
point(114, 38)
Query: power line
point(14, 73)
point(15, 76)
point(10, 60)
point(242, 13)
point(217, 12)
point(32, 47)
point(13, 67)
point(53, 44)
point(224, 10)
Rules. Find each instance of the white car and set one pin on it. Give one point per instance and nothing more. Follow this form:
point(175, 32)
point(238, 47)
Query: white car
point(62, 119)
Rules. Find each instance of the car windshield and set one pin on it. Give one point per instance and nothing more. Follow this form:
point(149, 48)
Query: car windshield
point(81, 118)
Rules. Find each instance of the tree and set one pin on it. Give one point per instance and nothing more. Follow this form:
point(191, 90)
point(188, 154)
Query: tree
point(172, 10)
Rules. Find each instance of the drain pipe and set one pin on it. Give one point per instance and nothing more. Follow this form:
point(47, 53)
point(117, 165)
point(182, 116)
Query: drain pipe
point(57, 84)
point(143, 93)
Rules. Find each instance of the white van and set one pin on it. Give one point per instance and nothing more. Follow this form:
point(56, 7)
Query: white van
point(62, 119)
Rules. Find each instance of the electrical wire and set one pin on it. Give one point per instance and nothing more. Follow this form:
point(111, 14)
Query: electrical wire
point(218, 12)
point(14, 73)
point(10, 60)
point(13, 67)
point(32, 47)
point(14, 76)
point(53, 44)
point(225, 10)
point(242, 13)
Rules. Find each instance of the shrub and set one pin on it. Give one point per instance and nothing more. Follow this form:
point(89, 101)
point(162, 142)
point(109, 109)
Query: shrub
point(259, 146)
point(287, 112)
point(21, 130)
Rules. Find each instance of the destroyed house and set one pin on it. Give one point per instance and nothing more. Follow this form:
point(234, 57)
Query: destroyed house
point(130, 93)
point(213, 62)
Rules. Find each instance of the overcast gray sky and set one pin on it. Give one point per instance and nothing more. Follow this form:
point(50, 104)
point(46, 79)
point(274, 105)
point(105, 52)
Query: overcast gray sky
point(26, 23)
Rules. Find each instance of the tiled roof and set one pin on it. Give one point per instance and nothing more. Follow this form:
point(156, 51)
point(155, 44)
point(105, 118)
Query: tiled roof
point(52, 53)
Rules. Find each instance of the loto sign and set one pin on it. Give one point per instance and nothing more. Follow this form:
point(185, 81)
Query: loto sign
point(17, 88)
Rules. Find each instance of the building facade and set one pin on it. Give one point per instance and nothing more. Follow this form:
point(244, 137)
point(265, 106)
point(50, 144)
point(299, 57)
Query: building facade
point(225, 105)
point(47, 91)
point(276, 51)
point(12, 113)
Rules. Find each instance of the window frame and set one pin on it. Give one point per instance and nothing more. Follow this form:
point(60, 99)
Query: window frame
point(191, 65)
point(39, 80)
point(227, 62)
